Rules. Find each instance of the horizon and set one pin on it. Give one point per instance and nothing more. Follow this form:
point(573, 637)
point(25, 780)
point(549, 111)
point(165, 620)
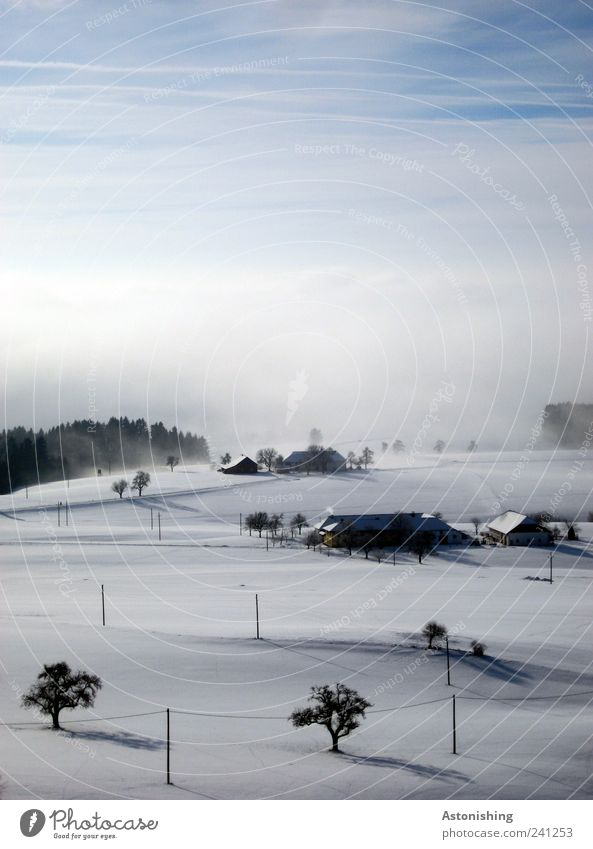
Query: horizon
point(229, 217)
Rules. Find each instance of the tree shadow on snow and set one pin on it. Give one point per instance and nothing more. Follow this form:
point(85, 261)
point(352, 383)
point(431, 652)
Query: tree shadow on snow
point(397, 763)
point(505, 670)
point(574, 550)
point(120, 738)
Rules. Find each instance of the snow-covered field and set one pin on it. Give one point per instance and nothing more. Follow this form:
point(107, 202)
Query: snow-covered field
point(180, 634)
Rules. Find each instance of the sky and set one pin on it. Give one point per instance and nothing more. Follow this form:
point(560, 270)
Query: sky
point(252, 219)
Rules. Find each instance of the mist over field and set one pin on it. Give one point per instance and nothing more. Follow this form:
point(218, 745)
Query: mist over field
point(202, 207)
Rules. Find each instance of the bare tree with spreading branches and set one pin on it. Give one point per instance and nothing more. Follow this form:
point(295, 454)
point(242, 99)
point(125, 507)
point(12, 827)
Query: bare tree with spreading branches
point(59, 688)
point(266, 457)
point(141, 481)
point(433, 631)
point(119, 486)
point(338, 708)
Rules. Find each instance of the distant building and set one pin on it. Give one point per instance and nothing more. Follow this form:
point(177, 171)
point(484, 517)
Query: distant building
point(326, 461)
point(386, 530)
point(239, 466)
point(512, 528)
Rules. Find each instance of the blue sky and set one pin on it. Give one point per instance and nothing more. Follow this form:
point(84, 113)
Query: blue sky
point(200, 203)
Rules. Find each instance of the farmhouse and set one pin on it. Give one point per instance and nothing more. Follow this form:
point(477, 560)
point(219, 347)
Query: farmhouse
point(326, 460)
point(512, 528)
point(242, 465)
point(386, 530)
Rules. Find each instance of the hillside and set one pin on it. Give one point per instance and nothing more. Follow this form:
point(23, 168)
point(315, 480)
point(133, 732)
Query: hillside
point(180, 634)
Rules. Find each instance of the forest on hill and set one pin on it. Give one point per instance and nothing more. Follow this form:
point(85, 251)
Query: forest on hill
point(79, 448)
point(568, 425)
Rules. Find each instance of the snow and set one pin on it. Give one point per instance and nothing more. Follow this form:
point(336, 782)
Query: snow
point(180, 633)
point(508, 522)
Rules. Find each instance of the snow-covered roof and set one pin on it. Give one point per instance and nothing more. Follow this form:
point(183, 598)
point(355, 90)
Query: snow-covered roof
point(297, 457)
point(376, 522)
point(371, 522)
point(510, 521)
point(236, 461)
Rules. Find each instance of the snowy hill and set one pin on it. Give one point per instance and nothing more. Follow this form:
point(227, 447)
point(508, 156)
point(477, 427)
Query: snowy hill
point(180, 634)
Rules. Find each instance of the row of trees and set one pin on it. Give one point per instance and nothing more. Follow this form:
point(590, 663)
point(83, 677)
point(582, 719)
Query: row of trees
point(398, 446)
point(420, 543)
point(567, 425)
point(79, 447)
point(140, 481)
point(261, 521)
point(317, 459)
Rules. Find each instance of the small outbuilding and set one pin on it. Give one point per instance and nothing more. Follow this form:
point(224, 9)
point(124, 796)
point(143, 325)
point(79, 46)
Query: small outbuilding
point(241, 465)
point(512, 528)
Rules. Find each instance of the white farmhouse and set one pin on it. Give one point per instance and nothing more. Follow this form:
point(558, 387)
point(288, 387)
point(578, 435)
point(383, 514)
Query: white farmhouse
point(512, 528)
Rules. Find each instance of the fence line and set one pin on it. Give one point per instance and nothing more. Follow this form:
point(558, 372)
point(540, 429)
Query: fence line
point(93, 719)
point(264, 717)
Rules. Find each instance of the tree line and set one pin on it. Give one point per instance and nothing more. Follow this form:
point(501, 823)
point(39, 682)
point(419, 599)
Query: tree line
point(77, 448)
point(567, 425)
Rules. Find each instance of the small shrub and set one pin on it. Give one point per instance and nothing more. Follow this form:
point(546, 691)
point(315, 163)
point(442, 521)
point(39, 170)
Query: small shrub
point(478, 649)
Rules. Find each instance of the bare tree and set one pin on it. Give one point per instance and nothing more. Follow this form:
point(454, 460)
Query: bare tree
point(366, 456)
point(248, 523)
point(298, 521)
point(439, 446)
point(59, 688)
point(119, 487)
point(266, 456)
point(433, 631)
point(141, 481)
point(225, 459)
point(257, 521)
point(347, 537)
point(313, 539)
point(473, 445)
point(352, 460)
point(314, 458)
point(275, 522)
point(421, 543)
point(172, 461)
point(315, 436)
point(339, 709)
point(476, 522)
point(398, 446)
